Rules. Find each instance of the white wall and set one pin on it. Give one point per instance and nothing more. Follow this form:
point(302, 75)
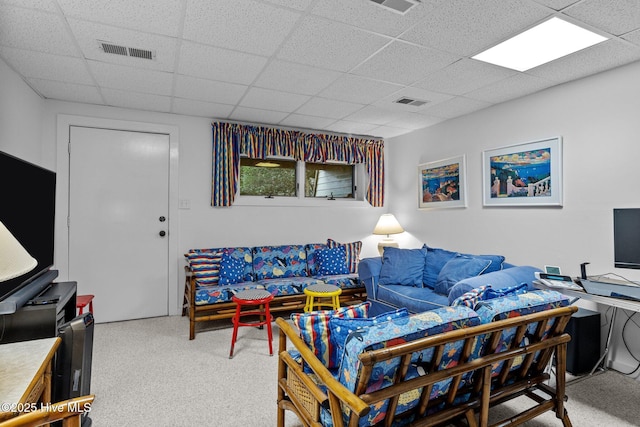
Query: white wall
point(20, 118)
point(202, 226)
point(598, 120)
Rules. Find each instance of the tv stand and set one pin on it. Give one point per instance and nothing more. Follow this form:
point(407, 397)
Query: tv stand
point(42, 315)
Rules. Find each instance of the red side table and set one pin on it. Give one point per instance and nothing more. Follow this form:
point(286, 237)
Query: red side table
point(258, 300)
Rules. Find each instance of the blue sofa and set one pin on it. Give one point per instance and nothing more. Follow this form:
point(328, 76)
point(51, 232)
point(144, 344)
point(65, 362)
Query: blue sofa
point(429, 278)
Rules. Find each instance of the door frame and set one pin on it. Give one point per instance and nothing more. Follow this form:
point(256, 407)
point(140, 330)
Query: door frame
point(64, 122)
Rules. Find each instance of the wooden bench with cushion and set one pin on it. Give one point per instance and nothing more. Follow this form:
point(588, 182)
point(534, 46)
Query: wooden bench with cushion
point(431, 368)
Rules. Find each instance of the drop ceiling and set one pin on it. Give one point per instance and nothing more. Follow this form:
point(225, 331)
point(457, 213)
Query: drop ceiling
point(329, 65)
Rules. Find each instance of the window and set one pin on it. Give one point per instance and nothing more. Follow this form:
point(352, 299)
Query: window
point(267, 178)
point(332, 181)
point(286, 182)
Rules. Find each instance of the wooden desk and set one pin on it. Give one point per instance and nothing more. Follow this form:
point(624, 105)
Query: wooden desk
point(25, 375)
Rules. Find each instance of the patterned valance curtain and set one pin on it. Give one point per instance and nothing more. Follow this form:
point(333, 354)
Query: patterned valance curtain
point(230, 140)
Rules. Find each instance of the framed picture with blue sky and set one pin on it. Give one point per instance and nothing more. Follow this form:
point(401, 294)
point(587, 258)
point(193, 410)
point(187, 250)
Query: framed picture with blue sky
point(442, 184)
point(528, 174)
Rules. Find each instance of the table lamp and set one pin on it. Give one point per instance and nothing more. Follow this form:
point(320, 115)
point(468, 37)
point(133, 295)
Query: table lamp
point(14, 258)
point(387, 224)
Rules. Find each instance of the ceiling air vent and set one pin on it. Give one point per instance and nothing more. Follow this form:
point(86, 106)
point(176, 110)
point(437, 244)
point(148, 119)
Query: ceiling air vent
point(409, 101)
point(126, 51)
point(400, 6)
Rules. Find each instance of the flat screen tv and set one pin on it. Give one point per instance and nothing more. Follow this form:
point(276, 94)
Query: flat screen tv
point(27, 209)
point(626, 238)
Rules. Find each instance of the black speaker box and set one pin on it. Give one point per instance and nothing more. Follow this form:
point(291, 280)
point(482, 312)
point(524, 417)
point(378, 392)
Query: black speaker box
point(583, 351)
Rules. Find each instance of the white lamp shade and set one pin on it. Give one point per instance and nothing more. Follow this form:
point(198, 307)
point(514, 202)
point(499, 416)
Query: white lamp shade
point(14, 259)
point(388, 224)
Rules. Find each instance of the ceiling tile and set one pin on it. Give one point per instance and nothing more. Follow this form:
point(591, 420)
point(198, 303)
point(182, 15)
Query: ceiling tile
point(387, 131)
point(296, 78)
point(48, 67)
point(354, 128)
point(556, 4)
point(208, 90)
point(509, 88)
point(48, 5)
point(413, 93)
point(603, 56)
point(150, 16)
point(613, 16)
point(66, 91)
point(294, 4)
point(328, 44)
point(633, 37)
point(455, 107)
point(244, 25)
point(219, 64)
point(359, 89)
point(414, 121)
point(88, 33)
point(466, 27)
point(189, 107)
point(272, 100)
point(138, 101)
point(131, 79)
point(464, 76)
point(371, 16)
point(375, 115)
point(307, 122)
point(35, 30)
point(254, 115)
point(330, 108)
point(404, 63)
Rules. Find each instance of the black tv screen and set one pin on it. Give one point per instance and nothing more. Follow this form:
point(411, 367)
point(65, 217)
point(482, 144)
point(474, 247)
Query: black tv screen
point(27, 210)
point(626, 238)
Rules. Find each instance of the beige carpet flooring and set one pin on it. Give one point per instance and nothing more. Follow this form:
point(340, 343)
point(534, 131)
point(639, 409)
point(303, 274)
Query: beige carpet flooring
point(147, 373)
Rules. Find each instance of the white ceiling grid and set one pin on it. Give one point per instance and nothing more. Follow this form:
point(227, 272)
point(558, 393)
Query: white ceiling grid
point(331, 65)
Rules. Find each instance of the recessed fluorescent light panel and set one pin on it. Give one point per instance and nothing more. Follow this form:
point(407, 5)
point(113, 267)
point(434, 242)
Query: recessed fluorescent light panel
point(543, 43)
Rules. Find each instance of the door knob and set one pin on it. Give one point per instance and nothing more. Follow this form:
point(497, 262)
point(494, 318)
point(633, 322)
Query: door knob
point(162, 233)
point(162, 219)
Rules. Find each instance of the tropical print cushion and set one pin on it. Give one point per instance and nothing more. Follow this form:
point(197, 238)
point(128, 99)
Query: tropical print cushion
point(274, 262)
point(394, 332)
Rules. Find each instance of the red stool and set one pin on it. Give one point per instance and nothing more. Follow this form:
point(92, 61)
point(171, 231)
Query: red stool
point(252, 297)
point(82, 301)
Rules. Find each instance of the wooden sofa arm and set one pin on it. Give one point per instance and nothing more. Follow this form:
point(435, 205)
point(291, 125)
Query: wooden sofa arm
point(335, 396)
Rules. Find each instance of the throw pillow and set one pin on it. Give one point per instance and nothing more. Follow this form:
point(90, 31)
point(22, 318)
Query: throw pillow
point(332, 261)
point(231, 270)
point(341, 327)
point(205, 267)
point(353, 253)
point(315, 332)
point(496, 262)
point(402, 267)
point(497, 293)
point(471, 298)
point(435, 259)
point(457, 269)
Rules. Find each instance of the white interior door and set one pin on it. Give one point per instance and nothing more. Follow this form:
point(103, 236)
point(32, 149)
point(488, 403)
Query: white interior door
point(118, 211)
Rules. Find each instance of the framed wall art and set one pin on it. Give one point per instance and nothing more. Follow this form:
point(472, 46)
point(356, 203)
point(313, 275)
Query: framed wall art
point(442, 184)
point(528, 174)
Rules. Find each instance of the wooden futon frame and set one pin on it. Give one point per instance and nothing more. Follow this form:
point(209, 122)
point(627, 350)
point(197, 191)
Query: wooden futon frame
point(479, 382)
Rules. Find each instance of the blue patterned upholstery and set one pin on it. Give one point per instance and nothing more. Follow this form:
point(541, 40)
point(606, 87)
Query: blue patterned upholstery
point(275, 262)
point(281, 270)
point(394, 332)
